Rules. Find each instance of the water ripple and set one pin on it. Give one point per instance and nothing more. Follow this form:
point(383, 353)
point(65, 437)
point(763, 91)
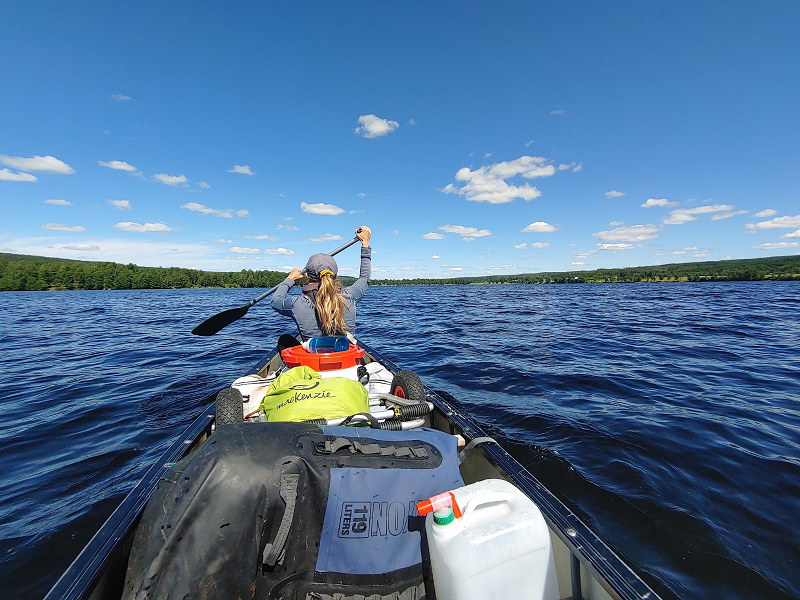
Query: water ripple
point(665, 416)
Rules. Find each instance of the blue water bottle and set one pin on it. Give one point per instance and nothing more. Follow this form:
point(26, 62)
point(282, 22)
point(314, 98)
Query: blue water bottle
point(339, 343)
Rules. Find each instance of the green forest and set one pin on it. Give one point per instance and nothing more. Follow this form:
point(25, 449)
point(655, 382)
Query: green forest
point(20, 272)
point(748, 269)
point(37, 273)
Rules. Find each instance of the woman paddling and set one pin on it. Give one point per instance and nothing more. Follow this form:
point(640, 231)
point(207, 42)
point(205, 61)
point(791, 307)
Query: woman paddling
point(324, 308)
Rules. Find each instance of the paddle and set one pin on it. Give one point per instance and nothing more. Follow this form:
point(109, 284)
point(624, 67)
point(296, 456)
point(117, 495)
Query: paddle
point(221, 320)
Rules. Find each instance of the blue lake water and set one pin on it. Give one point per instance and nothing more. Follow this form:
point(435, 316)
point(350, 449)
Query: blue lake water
point(665, 415)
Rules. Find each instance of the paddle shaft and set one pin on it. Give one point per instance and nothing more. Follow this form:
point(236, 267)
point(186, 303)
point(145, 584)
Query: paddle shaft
point(272, 289)
point(221, 320)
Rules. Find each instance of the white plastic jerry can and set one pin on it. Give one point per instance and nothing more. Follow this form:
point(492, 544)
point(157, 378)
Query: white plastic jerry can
point(498, 548)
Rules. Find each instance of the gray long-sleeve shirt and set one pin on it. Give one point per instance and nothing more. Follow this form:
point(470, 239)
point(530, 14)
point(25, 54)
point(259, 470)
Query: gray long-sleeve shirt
point(301, 308)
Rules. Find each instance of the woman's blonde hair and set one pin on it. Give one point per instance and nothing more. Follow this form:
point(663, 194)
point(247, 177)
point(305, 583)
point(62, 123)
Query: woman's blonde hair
point(330, 305)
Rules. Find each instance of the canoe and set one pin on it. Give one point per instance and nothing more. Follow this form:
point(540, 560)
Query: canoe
point(585, 566)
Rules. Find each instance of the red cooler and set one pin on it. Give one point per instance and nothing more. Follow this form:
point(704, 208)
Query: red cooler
point(322, 361)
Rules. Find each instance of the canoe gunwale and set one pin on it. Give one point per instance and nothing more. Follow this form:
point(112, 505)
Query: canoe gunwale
point(83, 575)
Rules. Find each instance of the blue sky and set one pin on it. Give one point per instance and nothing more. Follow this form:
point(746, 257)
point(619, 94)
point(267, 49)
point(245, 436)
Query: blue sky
point(473, 137)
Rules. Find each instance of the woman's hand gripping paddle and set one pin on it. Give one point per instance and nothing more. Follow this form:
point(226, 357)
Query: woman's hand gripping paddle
point(221, 320)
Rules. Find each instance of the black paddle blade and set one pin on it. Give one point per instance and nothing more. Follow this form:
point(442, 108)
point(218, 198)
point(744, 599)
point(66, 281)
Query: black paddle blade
point(221, 320)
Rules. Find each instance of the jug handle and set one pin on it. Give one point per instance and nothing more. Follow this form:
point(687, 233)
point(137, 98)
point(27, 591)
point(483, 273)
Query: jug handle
point(476, 501)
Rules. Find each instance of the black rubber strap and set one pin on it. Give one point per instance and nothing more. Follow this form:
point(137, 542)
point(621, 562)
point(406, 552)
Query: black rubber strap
point(462, 456)
point(416, 592)
point(275, 552)
point(373, 422)
point(354, 446)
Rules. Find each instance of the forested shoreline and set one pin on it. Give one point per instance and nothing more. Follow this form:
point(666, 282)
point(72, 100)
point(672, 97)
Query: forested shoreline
point(20, 272)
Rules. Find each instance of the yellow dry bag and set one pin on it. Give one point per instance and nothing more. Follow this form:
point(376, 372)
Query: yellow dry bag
point(301, 394)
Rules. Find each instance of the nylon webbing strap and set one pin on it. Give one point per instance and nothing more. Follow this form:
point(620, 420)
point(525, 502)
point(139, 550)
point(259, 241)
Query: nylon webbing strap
point(275, 552)
point(462, 456)
point(413, 593)
point(331, 447)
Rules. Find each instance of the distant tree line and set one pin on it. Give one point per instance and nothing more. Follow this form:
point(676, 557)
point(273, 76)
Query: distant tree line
point(749, 269)
point(34, 273)
point(21, 272)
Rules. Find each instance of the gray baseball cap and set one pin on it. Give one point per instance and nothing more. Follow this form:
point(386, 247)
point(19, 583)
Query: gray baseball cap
point(318, 263)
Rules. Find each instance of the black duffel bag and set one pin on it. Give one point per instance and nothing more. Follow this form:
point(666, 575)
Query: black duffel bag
point(292, 510)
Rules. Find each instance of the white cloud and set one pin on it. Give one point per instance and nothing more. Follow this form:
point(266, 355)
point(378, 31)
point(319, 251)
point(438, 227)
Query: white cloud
point(651, 202)
point(143, 250)
point(618, 246)
point(203, 185)
point(239, 250)
point(794, 234)
point(539, 227)
point(767, 212)
point(679, 216)
point(435, 257)
point(241, 170)
point(614, 194)
point(221, 241)
point(456, 268)
point(468, 234)
point(328, 237)
point(521, 246)
point(61, 227)
point(776, 245)
point(121, 97)
point(46, 164)
point(118, 165)
point(361, 195)
point(577, 263)
point(243, 213)
point(488, 183)
point(540, 245)
point(616, 223)
point(287, 227)
point(170, 179)
point(262, 236)
point(225, 213)
point(573, 166)
point(630, 233)
point(279, 251)
point(432, 235)
point(7, 175)
point(371, 126)
point(120, 204)
point(728, 215)
point(82, 247)
point(321, 209)
point(57, 202)
point(585, 254)
point(698, 252)
point(559, 112)
point(143, 228)
point(777, 223)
